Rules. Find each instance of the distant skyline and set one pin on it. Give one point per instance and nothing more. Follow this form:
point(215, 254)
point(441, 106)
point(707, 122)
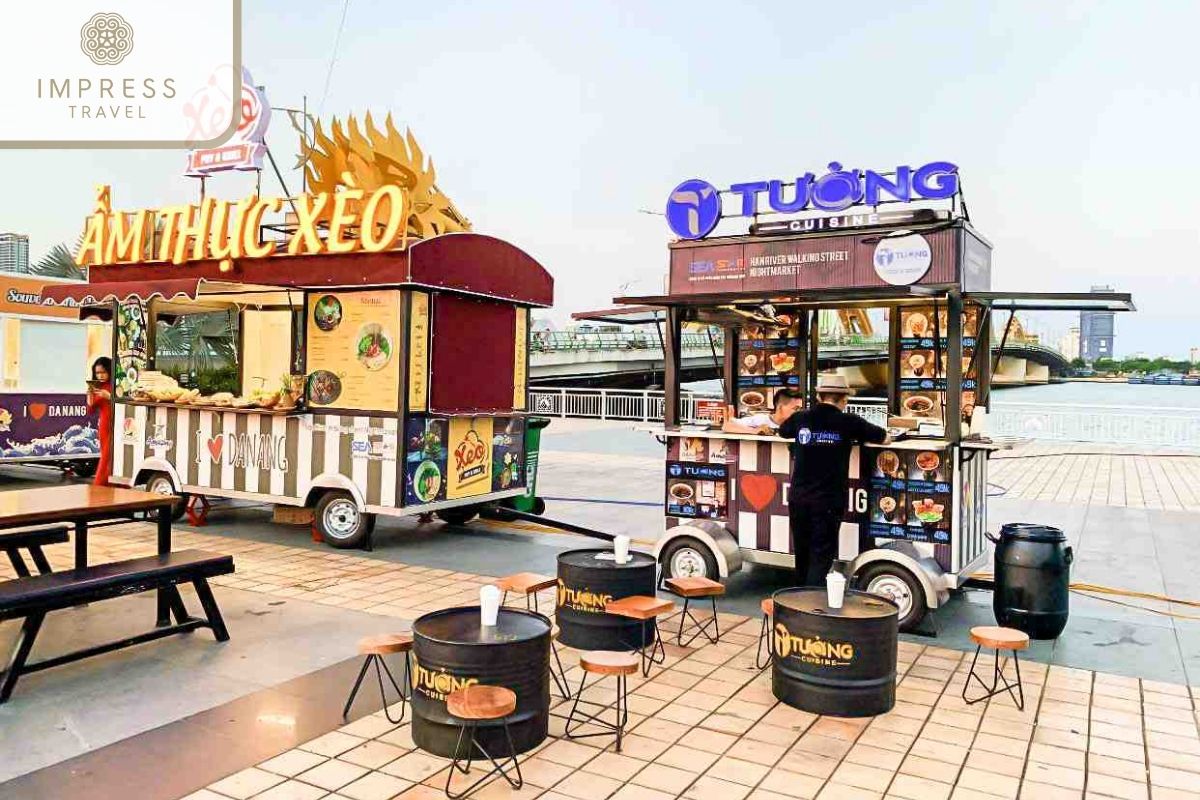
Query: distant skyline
point(1072, 125)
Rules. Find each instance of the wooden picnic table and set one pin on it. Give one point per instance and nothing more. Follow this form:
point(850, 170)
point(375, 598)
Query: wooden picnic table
point(80, 504)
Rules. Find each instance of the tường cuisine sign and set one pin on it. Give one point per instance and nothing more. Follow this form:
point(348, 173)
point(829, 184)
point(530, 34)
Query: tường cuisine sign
point(224, 230)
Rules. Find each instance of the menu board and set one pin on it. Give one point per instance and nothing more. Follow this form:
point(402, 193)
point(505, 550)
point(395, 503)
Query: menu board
point(768, 359)
point(924, 343)
point(508, 454)
point(910, 494)
point(469, 457)
point(352, 340)
point(425, 460)
point(418, 352)
point(520, 359)
point(698, 478)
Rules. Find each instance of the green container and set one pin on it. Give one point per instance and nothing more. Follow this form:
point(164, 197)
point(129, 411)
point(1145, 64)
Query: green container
point(530, 502)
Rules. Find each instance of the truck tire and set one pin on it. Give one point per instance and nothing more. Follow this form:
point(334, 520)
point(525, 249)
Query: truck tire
point(687, 557)
point(899, 585)
point(459, 515)
point(340, 522)
point(160, 483)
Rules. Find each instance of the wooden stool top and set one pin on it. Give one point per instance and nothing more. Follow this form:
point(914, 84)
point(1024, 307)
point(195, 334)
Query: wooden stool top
point(481, 702)
point(639, 607)
point(385, 644)
point(768, 606)
point(999, 638)
point(694, 587)
point(609, 662)
point(526, 583)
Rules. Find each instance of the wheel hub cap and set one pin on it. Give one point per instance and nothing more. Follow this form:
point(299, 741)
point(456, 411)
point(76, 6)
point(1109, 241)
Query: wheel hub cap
point(341, 519)
point(893, 589)
point(687, 563)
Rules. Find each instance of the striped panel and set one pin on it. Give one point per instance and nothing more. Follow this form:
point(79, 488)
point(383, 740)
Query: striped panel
point(302, 467)
point(359, 444)
point(781, 535)
point(748, 530)
point(283, 481)
point(241, 429)
point(141, 415)
point(119, 460)
point(389, 467)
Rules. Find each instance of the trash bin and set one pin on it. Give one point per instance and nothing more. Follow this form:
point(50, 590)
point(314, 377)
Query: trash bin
point(1032, 571)
point(530, 502)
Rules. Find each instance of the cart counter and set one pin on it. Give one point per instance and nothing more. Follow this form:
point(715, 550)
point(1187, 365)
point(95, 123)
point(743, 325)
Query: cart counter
point(929, 492)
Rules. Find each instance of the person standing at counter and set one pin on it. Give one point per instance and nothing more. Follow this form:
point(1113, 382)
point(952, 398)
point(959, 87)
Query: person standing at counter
point(787, 403)
point(822, 437)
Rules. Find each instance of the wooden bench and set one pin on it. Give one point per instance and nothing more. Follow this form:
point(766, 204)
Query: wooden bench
point(31, 598)
point(13, 542)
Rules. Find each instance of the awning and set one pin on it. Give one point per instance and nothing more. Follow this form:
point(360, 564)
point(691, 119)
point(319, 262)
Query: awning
point(94, 294)
point(171, 295)
point(1053, 301)
point(804, 298)
point(633, 315)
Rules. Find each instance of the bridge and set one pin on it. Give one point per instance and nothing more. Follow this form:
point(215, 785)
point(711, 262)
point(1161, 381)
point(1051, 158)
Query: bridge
point(634, 358)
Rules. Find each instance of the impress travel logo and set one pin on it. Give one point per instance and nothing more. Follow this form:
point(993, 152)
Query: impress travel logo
point(131, 73)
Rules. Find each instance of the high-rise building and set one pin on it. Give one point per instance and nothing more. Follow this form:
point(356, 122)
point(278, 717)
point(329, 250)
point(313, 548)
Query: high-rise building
point(1096, 332)
point(14, 252)
point(1068, 345)
point(1194, 355)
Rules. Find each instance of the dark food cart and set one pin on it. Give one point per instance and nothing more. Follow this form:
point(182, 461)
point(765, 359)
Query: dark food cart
point(916, 510)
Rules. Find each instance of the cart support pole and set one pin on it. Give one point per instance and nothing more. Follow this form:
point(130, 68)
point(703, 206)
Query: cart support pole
point(672, 366)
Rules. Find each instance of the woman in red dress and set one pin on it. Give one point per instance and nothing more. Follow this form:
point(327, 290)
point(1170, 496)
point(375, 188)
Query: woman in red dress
point(99, 398)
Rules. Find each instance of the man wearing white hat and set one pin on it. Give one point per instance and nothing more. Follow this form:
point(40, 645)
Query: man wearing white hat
point(822, 437)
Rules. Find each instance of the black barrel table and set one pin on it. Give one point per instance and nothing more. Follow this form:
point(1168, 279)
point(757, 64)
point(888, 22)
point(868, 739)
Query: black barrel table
point(587, 580)
point(835, 661)
point(451, 649)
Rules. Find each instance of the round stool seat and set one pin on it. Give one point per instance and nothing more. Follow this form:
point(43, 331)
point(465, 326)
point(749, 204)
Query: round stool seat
point(609, 662)
point(768, 606)
point(999, 638)
point(481, 702)
point(385, 644)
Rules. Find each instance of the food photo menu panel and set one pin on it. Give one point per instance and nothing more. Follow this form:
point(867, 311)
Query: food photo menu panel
point(909, 496)
point(352, 342)
point(697, 485)
point(923, 362)
point(768, 361)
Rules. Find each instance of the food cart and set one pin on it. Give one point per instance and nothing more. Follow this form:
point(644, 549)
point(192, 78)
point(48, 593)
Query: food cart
point(382, 347)
point(916, 511)
point(46, 355)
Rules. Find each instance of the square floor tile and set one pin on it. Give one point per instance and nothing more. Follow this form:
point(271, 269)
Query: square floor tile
point(247, 783)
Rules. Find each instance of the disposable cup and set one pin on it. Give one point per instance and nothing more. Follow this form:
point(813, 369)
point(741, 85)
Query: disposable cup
point(489, 606)
point(621, 549)
point(835, 588)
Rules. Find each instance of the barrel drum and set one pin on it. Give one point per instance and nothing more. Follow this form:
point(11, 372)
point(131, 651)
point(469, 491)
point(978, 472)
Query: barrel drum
point(518, 659)
point(586, 584)
point(1032, 570)
point(838, 662)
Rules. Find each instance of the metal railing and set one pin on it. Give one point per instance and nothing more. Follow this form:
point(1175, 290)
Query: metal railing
point(645, 405)
point(555, 341)
point(1149, 426)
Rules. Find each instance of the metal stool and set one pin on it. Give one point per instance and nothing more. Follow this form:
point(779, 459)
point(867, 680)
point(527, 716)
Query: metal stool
point(764, 635)
point(528, 584)
point(473, 704)
point(560, 677)
point(998, 639)
point(689, 588)
point(604, 662)
point(375, 648)
point(646, 611)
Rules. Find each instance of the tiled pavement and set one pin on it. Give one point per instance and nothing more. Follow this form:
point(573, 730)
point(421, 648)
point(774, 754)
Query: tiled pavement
point(707, 726)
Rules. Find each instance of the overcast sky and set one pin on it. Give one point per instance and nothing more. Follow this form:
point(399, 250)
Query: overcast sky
point(1073, 124)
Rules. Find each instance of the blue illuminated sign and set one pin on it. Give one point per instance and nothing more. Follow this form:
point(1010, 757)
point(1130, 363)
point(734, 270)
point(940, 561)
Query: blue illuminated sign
point(694, 206)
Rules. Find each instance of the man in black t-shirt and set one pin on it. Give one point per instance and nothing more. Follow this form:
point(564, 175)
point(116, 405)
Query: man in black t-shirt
point(822, 437)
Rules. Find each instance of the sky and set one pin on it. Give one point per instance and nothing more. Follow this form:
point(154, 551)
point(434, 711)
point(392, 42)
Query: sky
point(555, 125)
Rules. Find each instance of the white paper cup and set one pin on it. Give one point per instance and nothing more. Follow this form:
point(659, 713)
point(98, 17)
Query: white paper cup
point(621, 549)
point(835, 589)
point(489, 606)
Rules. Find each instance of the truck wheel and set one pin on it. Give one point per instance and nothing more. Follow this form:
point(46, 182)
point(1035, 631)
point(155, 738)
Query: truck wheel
point(160, 483)
point(458, 516)
point(84, 469)
point(898, 585)
point(687, 557)
point(339, 521)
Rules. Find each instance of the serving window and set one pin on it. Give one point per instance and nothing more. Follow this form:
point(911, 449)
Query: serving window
point(474, 355)
point(266, 349)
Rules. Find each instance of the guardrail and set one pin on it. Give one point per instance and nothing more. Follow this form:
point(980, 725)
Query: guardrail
point(1147, 426)
point(555, 341)
point(645, 405)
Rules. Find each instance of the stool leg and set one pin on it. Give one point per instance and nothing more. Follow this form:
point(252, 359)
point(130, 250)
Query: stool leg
point(560, 677)
point(716, 622)
point(379, 662)
point(971, 675)
point(358, 682)
point(759, 662)
point(512, 753)
point(622, 707)
point(682, 619)
point(574, 708)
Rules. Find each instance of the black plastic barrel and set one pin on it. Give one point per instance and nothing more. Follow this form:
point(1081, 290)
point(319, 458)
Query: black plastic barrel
point(586, 583)
point(452, 650)
point(1032, 570)
point(835, 661)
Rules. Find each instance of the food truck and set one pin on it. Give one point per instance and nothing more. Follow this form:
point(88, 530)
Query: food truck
point(382, 345)
point(46, 355)
point(916, 510)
